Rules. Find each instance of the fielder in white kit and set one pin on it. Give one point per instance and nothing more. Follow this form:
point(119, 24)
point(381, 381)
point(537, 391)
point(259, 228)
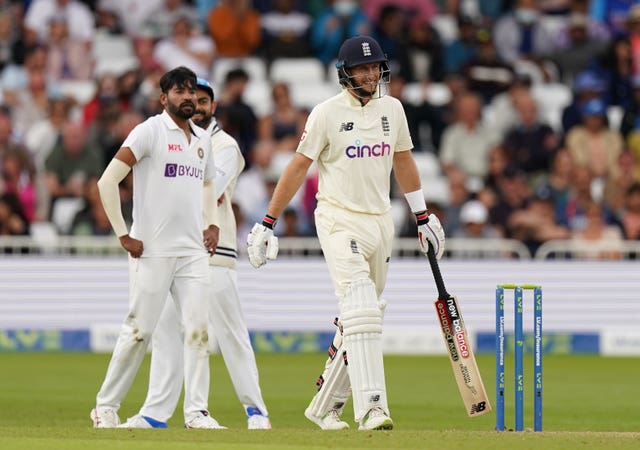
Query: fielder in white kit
point(356, 137)
point(225, 314)
point(173, 173)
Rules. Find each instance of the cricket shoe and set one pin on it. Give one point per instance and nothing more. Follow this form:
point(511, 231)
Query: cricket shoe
point(104, 417)
point(330, 421)
point(140, 421)
point(256, 420)
point(376, 419)
point(204, 420)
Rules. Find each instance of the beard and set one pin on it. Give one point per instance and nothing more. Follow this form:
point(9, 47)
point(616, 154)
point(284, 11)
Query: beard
point(203, 119)
point(184, 111)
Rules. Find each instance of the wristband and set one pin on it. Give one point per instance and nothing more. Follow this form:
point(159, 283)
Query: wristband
point(422, 217)
point(269, 222)
point(416, 201)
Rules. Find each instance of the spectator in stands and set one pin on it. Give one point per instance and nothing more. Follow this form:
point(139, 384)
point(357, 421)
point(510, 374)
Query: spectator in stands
point(458, 196)
point(235, 28)
point(512, 194)
point(593, 144)
point(630, 214)
point(556, 185)
point(423, 10)
point(161, 23)
point(285, 31)
point(234, 115)
point(580, 50)
point(92, 219)
point(535, 224)
point(614, 68)
point(185, 47)
point(631, 117)
point(521, 38)
point(462, 49)
point(586, 86)
point(15, 77)
point(487, 74)
point(425, 51)
point(474, 219)
point(530, 144)
point(597, 229)
point(72, 163)
point(466, 143)
point(69, 58)
point(633, 29)
point(31, 104)
point(613, 13)
point(390, 31)
point(9, 39)
point(133, 14)
point(595, 29)
point(285, 123)
point(339, 20)
point(18, 177)
point(12, 219)
point(108, 21)
point(44, 134)
point(616, 188)
point(78, 15)
point(503, 115)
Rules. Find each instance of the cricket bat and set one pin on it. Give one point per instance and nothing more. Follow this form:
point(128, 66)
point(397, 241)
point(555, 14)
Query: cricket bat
point(456, 339)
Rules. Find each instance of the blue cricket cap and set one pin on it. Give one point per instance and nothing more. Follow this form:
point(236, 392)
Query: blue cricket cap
point(594, 107)
point(203, 84)
point(588, 81)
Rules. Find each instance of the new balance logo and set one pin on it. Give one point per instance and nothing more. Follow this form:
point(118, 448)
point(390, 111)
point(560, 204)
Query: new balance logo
point(346, 126)
point(478, 407)
point(385, 125)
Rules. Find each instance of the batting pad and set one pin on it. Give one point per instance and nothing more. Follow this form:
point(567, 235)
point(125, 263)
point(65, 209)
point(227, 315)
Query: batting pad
point(362, 333)
point(335, 388)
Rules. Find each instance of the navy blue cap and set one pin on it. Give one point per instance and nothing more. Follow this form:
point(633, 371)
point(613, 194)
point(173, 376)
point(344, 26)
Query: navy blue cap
point(203, 84)
point(588, 81)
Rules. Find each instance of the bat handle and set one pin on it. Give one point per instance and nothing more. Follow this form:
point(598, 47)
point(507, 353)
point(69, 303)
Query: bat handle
point(437, 276)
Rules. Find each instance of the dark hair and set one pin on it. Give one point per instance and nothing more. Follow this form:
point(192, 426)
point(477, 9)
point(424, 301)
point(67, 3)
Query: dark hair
point(236, 74)
point(180, 76)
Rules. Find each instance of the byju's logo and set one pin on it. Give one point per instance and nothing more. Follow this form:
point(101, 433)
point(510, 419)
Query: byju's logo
point(368, 151)
point(172, 170)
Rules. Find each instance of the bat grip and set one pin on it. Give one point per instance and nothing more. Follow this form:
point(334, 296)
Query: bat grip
point(437, 276)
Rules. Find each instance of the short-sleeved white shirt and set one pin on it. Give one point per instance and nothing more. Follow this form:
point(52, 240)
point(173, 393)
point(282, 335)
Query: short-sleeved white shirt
point(168, 180)
point(353, 146)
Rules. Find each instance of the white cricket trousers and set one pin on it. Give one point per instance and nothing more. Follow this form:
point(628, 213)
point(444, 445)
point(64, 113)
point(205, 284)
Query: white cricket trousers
point(227, 324)
point(151, 281)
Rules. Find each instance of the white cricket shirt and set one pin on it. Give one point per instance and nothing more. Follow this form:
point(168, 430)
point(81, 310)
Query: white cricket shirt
point(353, 146)
point(168, 180)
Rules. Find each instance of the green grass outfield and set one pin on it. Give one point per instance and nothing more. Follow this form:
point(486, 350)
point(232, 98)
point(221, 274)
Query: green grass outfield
point(589, 402)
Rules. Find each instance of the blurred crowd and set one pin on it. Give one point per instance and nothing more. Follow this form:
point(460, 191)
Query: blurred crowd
point(525, 114)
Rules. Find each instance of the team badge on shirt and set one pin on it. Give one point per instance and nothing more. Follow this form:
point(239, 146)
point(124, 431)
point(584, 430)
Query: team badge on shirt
point(200, 152)
point(385, 125)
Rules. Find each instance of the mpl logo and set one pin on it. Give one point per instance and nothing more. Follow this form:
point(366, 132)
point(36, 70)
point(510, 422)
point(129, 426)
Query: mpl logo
point(172, 170)
point(174, 147)
point(360, 150)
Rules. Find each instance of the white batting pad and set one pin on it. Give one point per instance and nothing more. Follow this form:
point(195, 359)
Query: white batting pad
point(362, 333)
point(335, 389)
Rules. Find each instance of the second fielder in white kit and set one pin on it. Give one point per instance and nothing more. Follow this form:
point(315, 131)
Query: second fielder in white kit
point(356, 138)
point(173, 173)
point(225, 314)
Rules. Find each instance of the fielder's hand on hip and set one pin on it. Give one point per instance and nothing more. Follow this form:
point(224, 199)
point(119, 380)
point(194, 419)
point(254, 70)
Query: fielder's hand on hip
point(430, 232)
point(262, 245)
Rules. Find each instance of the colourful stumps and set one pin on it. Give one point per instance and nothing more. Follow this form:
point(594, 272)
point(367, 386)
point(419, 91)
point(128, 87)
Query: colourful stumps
point(519, 341)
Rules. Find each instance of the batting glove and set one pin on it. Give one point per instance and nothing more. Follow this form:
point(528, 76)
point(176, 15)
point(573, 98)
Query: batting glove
point(430, 232)
point(262, 245)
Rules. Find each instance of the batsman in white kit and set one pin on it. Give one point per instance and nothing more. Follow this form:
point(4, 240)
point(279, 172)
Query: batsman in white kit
point(173, 174)
point(356, 138)
point(225, 313)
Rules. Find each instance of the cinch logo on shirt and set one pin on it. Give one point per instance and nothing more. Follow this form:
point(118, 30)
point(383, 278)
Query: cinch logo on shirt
point(172, 170)
point(368, 151)
point(174, 147)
